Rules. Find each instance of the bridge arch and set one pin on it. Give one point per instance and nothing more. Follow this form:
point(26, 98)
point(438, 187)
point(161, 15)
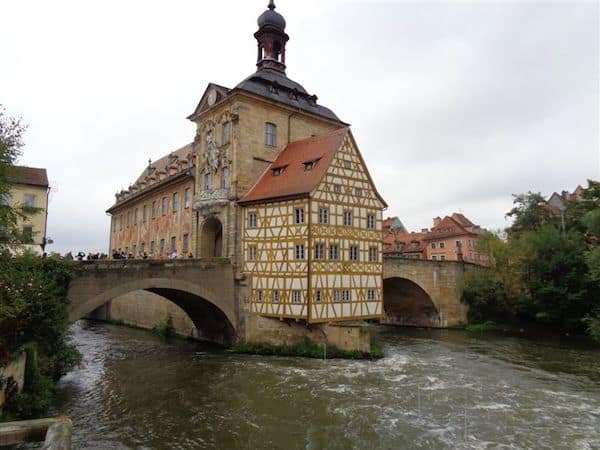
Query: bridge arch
point(212, 315)
point(405, 302)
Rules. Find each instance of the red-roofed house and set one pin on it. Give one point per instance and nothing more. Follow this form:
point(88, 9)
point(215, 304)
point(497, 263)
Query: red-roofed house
point(312, 234)
point(453, 238)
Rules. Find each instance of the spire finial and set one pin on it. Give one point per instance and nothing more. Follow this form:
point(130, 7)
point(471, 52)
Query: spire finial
point(271, 5)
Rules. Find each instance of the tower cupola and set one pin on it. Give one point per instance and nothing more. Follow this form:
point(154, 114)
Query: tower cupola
point(271, 39)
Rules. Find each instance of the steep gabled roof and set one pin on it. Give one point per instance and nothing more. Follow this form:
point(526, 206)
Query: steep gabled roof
point(28, 175)
point(293, 181)
point(449, 226)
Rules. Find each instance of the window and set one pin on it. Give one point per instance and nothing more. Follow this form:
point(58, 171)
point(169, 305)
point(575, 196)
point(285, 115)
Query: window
point(442, 245)
point(175, 201)
point(433, 245)
point(142, 248)
point(358, 192)
point(226, 133)
point(278, 171)
point(323, 215)
point(259, 296)
point(318, 297)
point(120, 222)
point(299, 215)
point(299, 251)
point(173, 244)
point(458, 244)
point(373, 254)
point(187, 198)
point(144, 213)
point(353, 256)
point(128, 218)
point(309, 165)
point(165, 202)
point(252, 253)
point(319, 251)
point(134, 248)
point(27, 233)
point(296, 297)
point(371, 221)
point(135, 216)
point(162, 246)
point(347, 165)
point(225, 177)
point(114, 224)
point(275, 296)
point(337, 188)
point(185, 247)
point(337, 295)
point(334, 251)
point(345, 295)
point(371, 295)
point(270, 134)
point(433, 258)
point(151, 247)
point(251, 219)
point(207, 181)
point(348, 218)
point(443, 258)
point(154, 209)
point(30, 200)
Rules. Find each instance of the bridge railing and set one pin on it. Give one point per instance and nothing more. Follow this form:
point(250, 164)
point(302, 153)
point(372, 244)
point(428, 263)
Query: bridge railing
point(143, 263)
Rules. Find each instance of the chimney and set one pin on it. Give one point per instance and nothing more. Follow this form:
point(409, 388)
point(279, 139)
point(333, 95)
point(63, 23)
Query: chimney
point(425, 230)
point(436, 221)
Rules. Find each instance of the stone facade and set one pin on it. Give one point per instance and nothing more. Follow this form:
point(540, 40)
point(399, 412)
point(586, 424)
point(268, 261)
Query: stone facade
point(15, 369)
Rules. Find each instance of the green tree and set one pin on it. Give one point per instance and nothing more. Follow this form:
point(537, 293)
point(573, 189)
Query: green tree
point(529, 213)
point(11, 142)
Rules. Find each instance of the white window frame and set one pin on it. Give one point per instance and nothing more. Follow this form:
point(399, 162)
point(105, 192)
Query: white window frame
point(296, 296)
point(299, 215)
point(299, 251)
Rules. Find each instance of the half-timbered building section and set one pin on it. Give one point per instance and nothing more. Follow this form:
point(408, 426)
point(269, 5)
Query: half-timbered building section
point(312, 234)
point(346, 218)
point(276, 252)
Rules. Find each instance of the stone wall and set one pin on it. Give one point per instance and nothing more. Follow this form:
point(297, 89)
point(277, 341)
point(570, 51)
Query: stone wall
point(346, 336)
point(14, 369)
point(145, 309)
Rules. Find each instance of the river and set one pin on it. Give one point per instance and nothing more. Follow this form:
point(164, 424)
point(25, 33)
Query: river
point(433, 389)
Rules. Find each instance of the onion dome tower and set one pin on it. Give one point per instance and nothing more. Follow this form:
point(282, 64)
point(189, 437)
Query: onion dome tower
point(271, 39)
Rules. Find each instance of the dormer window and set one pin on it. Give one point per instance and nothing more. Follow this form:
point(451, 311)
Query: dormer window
point(278, 171)
point(309, 165)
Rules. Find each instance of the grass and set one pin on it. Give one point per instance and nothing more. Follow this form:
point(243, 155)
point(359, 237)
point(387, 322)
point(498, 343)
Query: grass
point(306, 349)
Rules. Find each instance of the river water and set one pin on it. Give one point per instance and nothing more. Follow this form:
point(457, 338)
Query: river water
point(433, 389)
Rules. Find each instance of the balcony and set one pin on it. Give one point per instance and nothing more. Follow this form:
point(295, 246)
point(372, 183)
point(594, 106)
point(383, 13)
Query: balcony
point(211, 201)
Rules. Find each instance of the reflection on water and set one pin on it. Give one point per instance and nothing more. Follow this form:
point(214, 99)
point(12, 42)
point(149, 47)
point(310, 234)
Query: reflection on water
point(434, 389)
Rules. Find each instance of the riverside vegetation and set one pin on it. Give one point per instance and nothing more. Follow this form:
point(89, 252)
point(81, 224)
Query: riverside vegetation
point(544, 269)
point(33, 299)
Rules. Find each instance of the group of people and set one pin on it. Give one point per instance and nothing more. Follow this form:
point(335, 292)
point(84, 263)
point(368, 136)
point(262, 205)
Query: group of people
point(144, 255)
point(89, 257)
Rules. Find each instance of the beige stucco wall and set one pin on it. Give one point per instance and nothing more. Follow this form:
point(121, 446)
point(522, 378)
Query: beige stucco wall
point(145, 309)
point(37, 220)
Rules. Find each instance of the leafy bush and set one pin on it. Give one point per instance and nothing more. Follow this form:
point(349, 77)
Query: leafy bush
point(165, 328)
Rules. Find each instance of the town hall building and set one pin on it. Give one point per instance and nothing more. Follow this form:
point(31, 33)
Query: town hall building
point(280, 189)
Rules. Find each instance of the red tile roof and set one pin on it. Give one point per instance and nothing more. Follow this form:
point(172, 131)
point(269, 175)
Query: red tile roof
point(294, 180)
point(28, 175)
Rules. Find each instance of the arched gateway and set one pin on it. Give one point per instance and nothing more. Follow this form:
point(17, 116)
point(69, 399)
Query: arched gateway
point(211, 238)
point(203, 289)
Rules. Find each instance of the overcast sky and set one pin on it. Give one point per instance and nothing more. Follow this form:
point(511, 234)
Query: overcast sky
point(454, 105)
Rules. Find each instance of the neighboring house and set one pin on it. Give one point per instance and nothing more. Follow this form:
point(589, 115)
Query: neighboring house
point(558, 202)
point(154, 216)
point(30, 188)
point(453, 238)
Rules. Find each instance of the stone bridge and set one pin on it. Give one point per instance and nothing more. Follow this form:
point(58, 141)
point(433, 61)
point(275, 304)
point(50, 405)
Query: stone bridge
point(203, 288)
point(424, 293)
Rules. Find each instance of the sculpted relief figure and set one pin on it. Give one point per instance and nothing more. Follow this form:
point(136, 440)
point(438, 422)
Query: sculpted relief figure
point(212, 155)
